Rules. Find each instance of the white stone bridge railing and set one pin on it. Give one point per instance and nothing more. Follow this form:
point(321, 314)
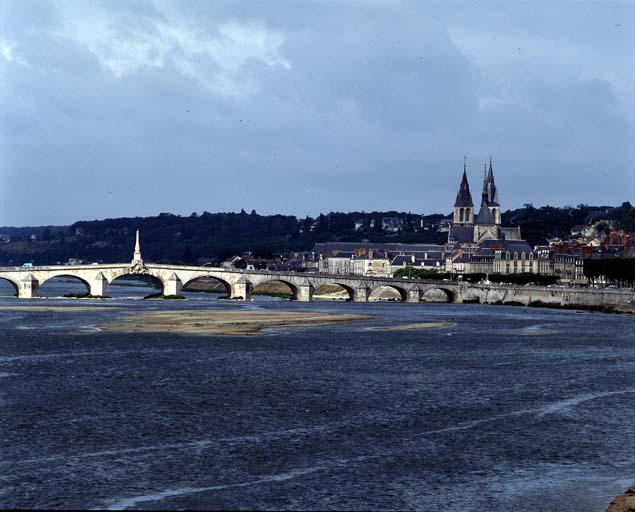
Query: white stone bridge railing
point(240, 284)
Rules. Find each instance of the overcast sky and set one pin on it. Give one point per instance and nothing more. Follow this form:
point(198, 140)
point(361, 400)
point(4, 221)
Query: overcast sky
point(122, 108)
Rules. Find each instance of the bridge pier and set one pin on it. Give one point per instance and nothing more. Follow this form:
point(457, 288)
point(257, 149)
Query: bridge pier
point(241, 290)
point(98, 286)
point(413, 296)
point(304, 293)
point(173, 286)
point(28, 287)
point(361, 294)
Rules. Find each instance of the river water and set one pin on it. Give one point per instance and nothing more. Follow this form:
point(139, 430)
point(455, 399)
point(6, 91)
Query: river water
point(510, 409)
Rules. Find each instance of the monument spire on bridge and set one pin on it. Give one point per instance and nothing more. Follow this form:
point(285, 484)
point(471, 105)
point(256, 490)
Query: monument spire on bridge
point(137, 251)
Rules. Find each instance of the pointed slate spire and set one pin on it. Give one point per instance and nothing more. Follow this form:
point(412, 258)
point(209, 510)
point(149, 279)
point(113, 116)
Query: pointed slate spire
point(464, 197)
point(493, 198)
point(490, 194)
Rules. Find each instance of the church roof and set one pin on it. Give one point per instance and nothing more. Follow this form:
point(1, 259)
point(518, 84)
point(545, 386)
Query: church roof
point(485, 216)
point(464, 197)
point(490, 246)
point(462, 234)
point(510, 232)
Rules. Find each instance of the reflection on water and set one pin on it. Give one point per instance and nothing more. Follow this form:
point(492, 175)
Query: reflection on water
point(507, 409)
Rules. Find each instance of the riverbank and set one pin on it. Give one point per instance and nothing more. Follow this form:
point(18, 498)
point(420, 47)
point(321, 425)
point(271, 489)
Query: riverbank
point(230, 323)
point(624, 502)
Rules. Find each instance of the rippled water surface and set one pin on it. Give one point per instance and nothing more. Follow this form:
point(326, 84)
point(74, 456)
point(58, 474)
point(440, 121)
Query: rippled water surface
point(509, 409)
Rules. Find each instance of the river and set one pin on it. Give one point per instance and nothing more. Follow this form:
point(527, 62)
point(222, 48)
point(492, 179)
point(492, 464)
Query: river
point(510, 409)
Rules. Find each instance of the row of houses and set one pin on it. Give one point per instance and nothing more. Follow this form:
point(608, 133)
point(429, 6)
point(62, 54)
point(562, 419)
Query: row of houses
point(491, 257)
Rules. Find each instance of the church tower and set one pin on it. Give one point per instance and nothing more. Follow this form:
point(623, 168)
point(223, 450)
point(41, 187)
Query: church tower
point(489, 213)
point(463, 206)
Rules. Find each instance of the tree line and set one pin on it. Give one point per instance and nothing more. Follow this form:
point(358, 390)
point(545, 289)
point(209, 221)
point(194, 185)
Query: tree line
point(477, 277)
point(201, 237)
point(614, 271)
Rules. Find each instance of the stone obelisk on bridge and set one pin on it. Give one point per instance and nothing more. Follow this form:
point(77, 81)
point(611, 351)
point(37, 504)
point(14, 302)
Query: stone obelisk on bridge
point(136, 259)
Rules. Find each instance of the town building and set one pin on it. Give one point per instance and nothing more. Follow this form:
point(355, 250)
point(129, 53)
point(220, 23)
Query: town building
point(377, 259)
point(391, 224)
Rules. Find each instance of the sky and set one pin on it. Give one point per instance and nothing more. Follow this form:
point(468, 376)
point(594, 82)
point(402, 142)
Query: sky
point(119, 108)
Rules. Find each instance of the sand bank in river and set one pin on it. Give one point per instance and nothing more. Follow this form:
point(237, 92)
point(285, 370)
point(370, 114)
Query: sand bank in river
point(69, 309)
point(415, 327)
point(624, 502)
point(225, 322)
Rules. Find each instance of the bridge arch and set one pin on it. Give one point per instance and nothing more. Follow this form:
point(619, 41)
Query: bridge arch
point(401, 295)
point(262, 283)
point(10, 283)
point(438, 294)
point(66, 276)
point(322, 288)
point(152, 281)
point(210, 284)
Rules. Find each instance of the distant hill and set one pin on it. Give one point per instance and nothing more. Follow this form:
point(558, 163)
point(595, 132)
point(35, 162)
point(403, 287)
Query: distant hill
point(539, 224)
point(196, 238)
point(216, 236)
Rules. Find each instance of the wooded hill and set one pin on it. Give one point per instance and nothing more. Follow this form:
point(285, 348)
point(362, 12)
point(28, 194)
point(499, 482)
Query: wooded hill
point(215, 236)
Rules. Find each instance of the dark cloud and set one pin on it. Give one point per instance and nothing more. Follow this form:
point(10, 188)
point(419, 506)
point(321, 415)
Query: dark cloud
point(133, 108)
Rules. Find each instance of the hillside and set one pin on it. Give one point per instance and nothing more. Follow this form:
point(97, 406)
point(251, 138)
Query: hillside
point(215, 236)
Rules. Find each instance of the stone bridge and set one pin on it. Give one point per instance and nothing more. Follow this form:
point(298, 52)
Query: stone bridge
point(170, 279)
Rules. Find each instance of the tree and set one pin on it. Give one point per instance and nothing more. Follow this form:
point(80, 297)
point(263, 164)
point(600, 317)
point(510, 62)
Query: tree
point(188, 255)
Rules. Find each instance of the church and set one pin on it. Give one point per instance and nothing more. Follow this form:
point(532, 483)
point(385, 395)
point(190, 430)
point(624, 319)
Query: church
point(470, 229)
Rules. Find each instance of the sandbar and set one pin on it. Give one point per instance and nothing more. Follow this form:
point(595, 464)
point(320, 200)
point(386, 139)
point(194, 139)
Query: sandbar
point(534, 332)
point(69, 309)
point(230, 323)
point(415, 327)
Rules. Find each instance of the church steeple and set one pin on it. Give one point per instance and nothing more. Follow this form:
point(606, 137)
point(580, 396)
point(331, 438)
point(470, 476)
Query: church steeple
point(490, 206)
point(464, 197)
point(464, 206)
point(490, 194)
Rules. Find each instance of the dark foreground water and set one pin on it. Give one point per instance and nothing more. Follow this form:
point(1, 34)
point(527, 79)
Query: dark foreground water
point(511, 409)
